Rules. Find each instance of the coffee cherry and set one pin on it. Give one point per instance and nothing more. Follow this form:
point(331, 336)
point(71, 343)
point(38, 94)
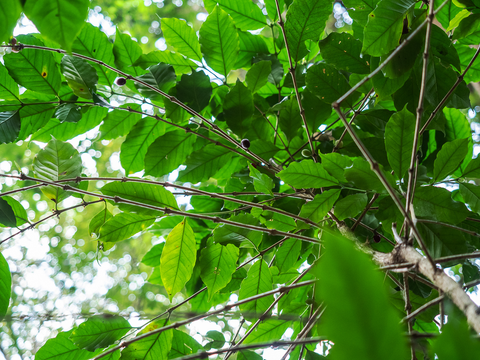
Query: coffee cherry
point(13, 41)
point(121, 81)
point(306, 153)
point(245, 143)
point(338, 144)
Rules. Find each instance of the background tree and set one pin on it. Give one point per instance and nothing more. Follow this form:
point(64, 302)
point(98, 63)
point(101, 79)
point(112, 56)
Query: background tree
point(254, 169)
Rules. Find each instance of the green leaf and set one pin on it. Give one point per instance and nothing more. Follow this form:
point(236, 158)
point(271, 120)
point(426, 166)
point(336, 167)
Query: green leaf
point(61, 347)
point(33, 69)
point(153, 347)
point(362, 9)
point(80, 75)
point(384, 28)
point(195, 90)
point(19, 212)
point(127, 52)
point(349, 321)
point(271, 7)
point(58, 160)
point(94, 43)
point(364, 178)
point(60, 21)
point(336, 164)
point(449, 158)
point(238, 108)
point(436, 204)
point(180, 64)
point(98, 221)
point(218, 340)
point(178, 258)
point(268, 330)
point(442, 240)
point(471, 194)
point(119, 122)
point(262, 182)
point(10, 11)
point(250, 46)
point(258, 281)
point(168, 152)
point(123, 226)
point(350, 206)
point(240, 237)
point(204, 163)
point(281, 222)
point(247, 15)
point(143, 193)
point(287, 254)
point(447, 13)
point(246, 354)
point(219, 40)
point(257, 76)
point(8, 86)
point(183, 344)
point(161, 76)
point(307, 174)
point(5, 286)
point(9, 126)
point(473, 169)
point(456, 341)
point(68, 113)
point(319, 207)
point(343, 51)
point(152, 257)
point(181, 37)
point(100, 331)
point(135, 146)
point(328, 84)
point(290, 119)
point(399, 133)
point(305, 20)
point(156, 277)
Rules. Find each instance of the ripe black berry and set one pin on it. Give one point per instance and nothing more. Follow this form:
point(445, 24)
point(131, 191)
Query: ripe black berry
point(13, 41)
point(245, 143)
point(376, 238)
point(121, 81)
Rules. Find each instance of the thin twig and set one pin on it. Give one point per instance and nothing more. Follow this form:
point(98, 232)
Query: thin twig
point(364, 212)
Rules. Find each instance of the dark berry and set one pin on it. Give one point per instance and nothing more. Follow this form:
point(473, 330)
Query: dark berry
point(121, 81)
point(245, 143)
point(13, 41)
point(376, 238)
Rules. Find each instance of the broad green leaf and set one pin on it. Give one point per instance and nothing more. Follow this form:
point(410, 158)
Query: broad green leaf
point(465, 54)
point(449, 158)
point(8, 86)
point(153, 347)
point(246, 14)
point(362, 9)
point(287, 254)
point(335, 164)
point(247, 354)
point(119, 122)
point(204, 163)
point(350, 320)
point(180, 64)
point(181, 37)
point(94, 43)
point(183, 344)
point(471, 194)
point(467, 30)
point(257, 76)
point(9, 126)
point(316, 112)
point(443, 48)
point(219, 40)
point(328, 84)
point(281, 222)
point(250, 46)
point(258, 281)
point(61, 347)
point(456, 341)
point(135, 146)
point(58, 160)
point(123, 226)
point(143, 193)
point(268, 330)
point(290, 119)
point(127, 52)
point(442, 240)
point(342, 50)
point(80, 75)
point(384, 28)
point(178, 258)
point(161, 76)
point(473, 169)
point(20, 216)
point(238, 108)
point(240, 237)
point(447, 13)
point(350, 206)
point(195, 90)
point(271, 7)
point(35, 70)
point(168, 152)
point(5, 286)
point(262, 182)
point(218, 340)
point(60, 21)
point(156, 277)
point(457, 126)
point(234, 284)
point(436, 204)
point(305, 20)
point(399, 133)
point(364, 178)
point(98, 220)
point(100, 331)
point(68, 113)
point(217, 264)
point(307, 174)
point(10, 11)
point(152, 257)
point(319, 207)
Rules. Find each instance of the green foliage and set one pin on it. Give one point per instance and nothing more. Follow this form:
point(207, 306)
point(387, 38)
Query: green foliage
point(5, 286)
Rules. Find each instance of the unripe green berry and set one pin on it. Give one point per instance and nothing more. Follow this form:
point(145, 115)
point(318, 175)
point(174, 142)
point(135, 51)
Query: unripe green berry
point(338, 144)
point(306, 153)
